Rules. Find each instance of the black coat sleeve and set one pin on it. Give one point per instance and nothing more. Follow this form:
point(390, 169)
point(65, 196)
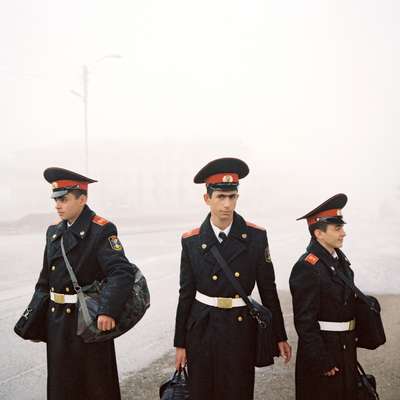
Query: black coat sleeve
point(187, 293)
point(305, 288)
point(267, 289)
point(119, 272)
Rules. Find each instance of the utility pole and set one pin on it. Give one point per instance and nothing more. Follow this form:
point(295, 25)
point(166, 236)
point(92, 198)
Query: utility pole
point(85, 99)
point(85, 79)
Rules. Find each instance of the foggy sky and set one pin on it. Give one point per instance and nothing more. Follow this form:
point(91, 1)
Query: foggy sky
point(305, 91)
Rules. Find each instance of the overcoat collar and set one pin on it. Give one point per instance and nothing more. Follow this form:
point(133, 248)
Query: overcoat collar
point(235, 244)
point(329, 261)
point(72, 235)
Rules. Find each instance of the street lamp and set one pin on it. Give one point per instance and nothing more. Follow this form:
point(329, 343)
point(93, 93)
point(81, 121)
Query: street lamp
point(84, 96)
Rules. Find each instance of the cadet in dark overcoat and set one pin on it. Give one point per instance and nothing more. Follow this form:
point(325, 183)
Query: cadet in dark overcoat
point(324, 310)
point(77, 370)
point(218, 339)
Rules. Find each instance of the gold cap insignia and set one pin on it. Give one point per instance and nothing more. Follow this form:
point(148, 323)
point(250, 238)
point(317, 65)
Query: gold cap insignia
point(227, 179)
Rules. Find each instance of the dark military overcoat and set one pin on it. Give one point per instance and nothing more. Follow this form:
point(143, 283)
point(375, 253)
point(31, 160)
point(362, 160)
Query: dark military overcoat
point(220, 343)
point(77, 370)
point(320, 295)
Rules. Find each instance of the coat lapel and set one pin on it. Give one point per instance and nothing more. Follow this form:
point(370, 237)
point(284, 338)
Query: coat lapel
point(207, 240)
point(330, 263)
point(236, 242)
point(54, 247)
point(234, 245)
point(72, 235)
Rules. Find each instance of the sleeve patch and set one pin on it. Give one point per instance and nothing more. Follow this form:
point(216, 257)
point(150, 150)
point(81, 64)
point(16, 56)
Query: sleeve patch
point(255, 226)
point(115, 243)
point(99, 220)
point(193, 232)
point(311, 259)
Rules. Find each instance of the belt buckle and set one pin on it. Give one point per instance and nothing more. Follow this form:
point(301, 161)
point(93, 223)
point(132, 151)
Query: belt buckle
point(59, 298)
point(224, 302)
point(352, 325)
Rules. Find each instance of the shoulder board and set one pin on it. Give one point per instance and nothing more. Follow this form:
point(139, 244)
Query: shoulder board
point(312, 259)
point(99, 220)
point(255, 226)
point(193, 232)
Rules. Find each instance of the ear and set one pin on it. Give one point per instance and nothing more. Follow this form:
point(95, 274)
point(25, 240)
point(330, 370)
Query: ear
point(206, 198)
point(82, 199)
point(318, 233)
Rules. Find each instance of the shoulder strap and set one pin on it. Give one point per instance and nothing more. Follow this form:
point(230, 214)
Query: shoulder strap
point(78, 289)
point(355, 289)
point(228, 273)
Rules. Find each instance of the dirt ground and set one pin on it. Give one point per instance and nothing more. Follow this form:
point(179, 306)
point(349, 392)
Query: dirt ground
point(277, 382)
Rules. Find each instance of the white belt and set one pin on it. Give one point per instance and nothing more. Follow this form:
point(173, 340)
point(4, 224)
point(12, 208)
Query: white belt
point(220, 302)
point(337, 326)
point(63, 298)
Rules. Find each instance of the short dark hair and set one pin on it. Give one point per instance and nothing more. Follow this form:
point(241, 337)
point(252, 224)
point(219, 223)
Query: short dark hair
point(322, 226)
point(78, 192)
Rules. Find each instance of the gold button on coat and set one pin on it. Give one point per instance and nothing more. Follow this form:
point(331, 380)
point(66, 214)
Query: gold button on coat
point(67, 289)
point(52, 289)
point(244, 235)
point(237, 274)
point(53, 309)
point(214, 277)
point(236, 296)
point(68, 310)
point(240, 318)
point(53, 268)
point(203, 246)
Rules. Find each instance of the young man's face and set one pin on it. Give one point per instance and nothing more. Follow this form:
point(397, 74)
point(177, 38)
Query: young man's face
point(333, 237)
point(69, 207)
point(222, 203)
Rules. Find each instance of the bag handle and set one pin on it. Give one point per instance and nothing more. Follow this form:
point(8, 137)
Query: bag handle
point(371, 389)
point(78, 289)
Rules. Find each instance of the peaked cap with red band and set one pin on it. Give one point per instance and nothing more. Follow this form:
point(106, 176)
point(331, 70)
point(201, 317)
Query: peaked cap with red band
point(223, 173)
point(330, 211)
point(63, 181)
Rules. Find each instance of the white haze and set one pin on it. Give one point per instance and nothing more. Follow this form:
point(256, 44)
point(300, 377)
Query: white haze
point(305, 91)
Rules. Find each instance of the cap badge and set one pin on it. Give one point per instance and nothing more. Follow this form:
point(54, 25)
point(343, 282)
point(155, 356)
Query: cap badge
point(227, 179)
point(339, 213)
point(54, 185)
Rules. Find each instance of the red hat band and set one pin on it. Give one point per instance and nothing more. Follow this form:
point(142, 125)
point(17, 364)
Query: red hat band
point(68, 183)
point(336, 212)
point(226, 177)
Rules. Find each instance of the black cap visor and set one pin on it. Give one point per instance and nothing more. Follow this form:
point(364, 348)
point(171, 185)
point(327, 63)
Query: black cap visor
point(332, 220)
point(59, 193)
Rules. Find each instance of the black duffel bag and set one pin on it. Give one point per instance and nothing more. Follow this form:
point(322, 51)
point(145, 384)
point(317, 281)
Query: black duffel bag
point(366, 385)
point(32, 325)
point(176, 388)
point(369, 327)
point(265, 349)
point(88, 304)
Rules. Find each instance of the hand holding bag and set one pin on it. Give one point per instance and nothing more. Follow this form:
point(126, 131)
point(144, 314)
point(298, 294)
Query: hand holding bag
point(88, 304)
point(176, 388)
point(265, 345)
